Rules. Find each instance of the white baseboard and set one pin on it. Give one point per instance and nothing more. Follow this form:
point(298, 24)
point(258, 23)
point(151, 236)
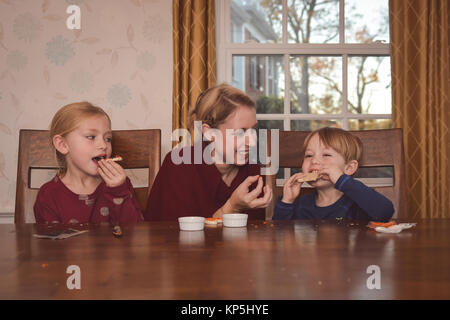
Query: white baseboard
point(6, 218)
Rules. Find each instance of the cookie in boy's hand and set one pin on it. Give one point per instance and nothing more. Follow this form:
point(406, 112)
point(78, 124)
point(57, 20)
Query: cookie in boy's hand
point(311, 176)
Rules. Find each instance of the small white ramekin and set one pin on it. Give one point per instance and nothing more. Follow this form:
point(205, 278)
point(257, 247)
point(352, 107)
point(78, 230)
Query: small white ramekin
point(191, 223)
point(234, 219)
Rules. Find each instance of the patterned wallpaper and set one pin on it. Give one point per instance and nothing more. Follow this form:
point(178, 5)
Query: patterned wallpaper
point(120, 59)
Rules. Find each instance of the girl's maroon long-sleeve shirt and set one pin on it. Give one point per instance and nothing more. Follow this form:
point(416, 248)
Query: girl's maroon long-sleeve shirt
point(56, 203)
point(194, 190)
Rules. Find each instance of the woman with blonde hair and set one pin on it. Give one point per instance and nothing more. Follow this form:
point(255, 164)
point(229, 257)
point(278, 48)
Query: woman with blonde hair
point(224, 183)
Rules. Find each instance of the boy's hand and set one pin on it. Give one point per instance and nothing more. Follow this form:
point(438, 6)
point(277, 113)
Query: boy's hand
point(291, 189)
point(331, 173)
point(112, 173)
point(241, 199)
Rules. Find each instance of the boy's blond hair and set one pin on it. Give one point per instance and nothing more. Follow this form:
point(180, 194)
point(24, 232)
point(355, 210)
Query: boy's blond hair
point(343, 142)
point(66, 120)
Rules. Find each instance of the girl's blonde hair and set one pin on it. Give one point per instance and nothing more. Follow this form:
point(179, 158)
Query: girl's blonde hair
point(67, 119)
point(216, 103)
point(347, 145)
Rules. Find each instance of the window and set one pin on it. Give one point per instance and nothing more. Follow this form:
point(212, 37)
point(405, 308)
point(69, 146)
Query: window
point(308, 63)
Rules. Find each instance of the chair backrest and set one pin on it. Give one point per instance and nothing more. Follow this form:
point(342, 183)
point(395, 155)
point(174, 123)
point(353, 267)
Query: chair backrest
point(381, 148)
point(138, 148)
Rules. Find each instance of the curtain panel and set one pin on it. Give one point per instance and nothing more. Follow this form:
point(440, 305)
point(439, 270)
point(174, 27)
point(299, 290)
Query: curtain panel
point(419, 31)
point(194, 55)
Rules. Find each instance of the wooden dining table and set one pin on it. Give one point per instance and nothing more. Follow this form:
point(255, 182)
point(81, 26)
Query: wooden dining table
point(274, 260)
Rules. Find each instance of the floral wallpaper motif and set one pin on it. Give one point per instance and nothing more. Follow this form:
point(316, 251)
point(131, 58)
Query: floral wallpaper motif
point(27, 27)
point(16, 60)
point(154, 30)
point(119, 95)
point(77, 2)
point(59, 50)
point(121, 60)
point(81, 81)
point(145, 61)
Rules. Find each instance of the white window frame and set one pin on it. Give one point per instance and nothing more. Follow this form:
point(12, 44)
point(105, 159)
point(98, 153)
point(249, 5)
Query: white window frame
point(226, 49)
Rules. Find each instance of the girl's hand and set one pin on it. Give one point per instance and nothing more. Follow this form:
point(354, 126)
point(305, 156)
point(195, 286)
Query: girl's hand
point(112, 173)
point(291, 188)
point(242, 199)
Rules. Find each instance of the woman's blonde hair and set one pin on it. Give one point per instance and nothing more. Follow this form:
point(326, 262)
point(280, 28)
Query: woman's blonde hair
point(216, 103)
point(67, 119)
point(347, 145)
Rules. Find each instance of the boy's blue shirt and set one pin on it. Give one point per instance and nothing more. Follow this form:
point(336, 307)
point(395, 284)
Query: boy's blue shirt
point(359, 202)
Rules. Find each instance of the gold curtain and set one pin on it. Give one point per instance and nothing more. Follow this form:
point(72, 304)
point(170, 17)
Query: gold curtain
point(420, 82)
point(194, 55)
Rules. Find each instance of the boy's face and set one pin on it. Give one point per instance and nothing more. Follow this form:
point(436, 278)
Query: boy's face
point(91, 139)
point(327, 161)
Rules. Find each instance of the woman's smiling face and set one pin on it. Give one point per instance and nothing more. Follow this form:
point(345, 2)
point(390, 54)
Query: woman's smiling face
point(241, 136)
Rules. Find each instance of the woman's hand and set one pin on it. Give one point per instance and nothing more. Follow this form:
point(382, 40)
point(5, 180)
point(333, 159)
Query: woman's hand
point(242, 199)
point(291, 188)
point(112, 173)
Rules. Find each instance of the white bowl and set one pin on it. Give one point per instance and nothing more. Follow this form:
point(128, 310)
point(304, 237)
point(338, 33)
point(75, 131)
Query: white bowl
point(191, 223)
point(234, 219)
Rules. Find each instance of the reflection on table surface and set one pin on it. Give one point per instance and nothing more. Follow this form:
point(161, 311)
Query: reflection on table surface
point(265, 260)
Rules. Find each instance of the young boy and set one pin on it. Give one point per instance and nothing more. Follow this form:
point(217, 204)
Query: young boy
point(331, 157)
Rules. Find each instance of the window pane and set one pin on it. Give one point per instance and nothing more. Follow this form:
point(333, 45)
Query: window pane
point(270, 124)
point(313, 21)
point(269, 104)
point(366, 21)
point(280, 173)
point(310, 125)
point(369, 85)
point(369, 124)
point(256, 20)
point(262, 78)
point(374, 172)
point(316, 84)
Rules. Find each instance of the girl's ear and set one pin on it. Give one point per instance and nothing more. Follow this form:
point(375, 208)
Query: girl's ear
point(205, 129)
point(351, 167)
point(60, 144)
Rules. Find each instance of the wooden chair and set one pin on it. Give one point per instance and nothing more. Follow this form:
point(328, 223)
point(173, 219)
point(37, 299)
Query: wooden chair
point(381, 148)
point(139, 149)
